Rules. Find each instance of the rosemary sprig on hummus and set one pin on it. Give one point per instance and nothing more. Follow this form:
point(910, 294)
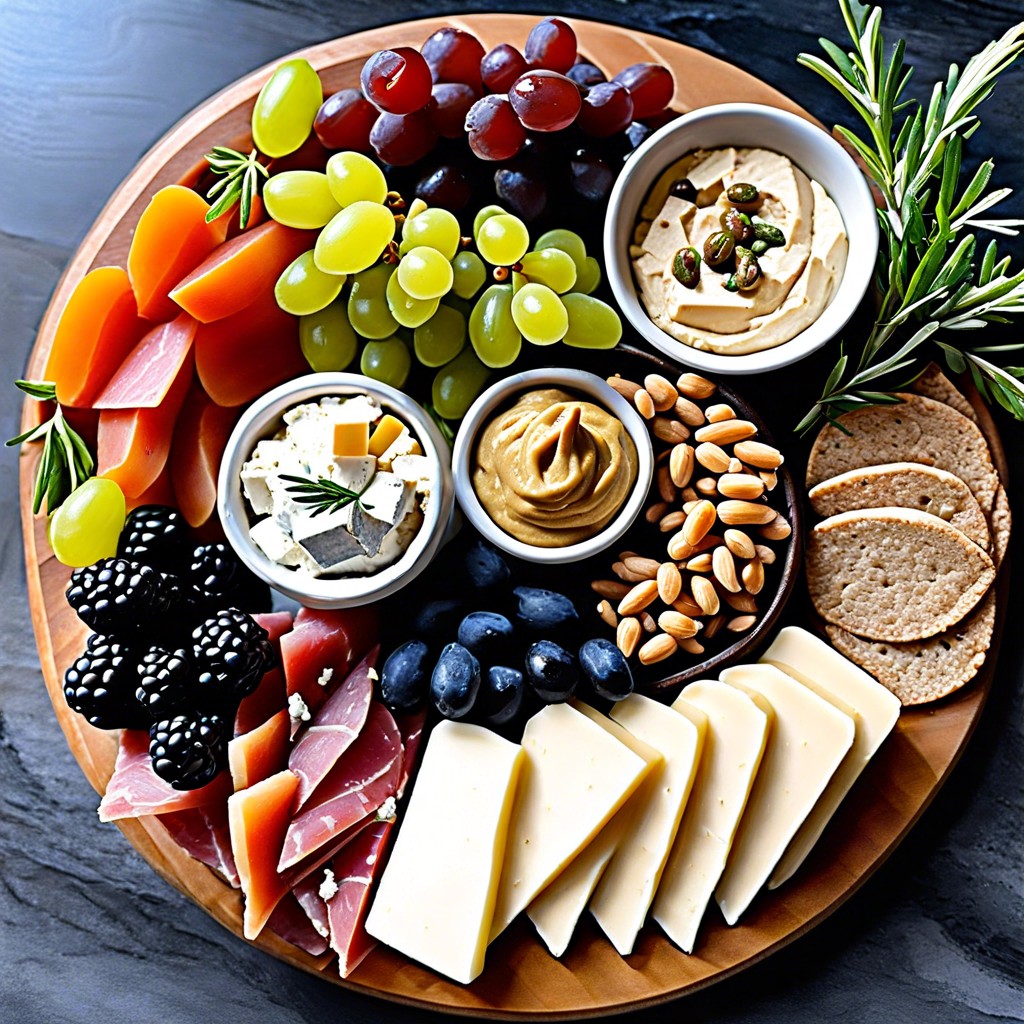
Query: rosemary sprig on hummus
point(933, 276)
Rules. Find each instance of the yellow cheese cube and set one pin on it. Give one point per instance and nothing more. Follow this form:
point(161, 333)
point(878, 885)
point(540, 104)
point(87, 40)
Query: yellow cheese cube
point(352, 439)
point(385, 433)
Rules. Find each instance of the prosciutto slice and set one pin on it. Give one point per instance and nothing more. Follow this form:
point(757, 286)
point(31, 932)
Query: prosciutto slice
point(256, 755)
point(276, 624)
point(307, 895)
point(362, 779)
point(290, 922)
point(410, 727)
point(265, 701)
point(202, 832)
point(135, 789)
point(334, 729)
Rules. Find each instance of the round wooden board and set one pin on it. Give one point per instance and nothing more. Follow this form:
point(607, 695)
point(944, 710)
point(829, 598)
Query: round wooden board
point(521, 979)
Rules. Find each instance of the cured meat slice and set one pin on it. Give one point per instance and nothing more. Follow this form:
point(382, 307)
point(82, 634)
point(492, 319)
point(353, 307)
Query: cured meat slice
point(410, 727)
point(276, 624)
point(258, 818)
point(266, 700)
point(148, 371)
point(307, 895)
point(202, 832)
point(334, 729)
point(318, 858)
point(322, 640)
point(355, 869)
point(290, 922)
point(363, 778)
point(259, 753)
point(135, 789)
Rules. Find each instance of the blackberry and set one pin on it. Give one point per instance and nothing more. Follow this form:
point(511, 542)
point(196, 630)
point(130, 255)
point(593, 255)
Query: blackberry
point(100, 685)
point(117, 596)
point(166, 681)
point(157, 536)
point(232, 652)
point(188, 752)
point(224, 581)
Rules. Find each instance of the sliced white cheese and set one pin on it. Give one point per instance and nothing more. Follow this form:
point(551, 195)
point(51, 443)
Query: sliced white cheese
point(436, 896)
point(873, 708)
point(277, 544)
point(626, 891)
point(575, 778)
point(404, 444)
point(809, 739)
point(737, 730)
point(353, 471)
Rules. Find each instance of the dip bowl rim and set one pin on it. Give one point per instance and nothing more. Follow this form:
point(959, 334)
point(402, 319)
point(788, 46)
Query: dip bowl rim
point(855, 203)
point(498, 394)
point(261, 420)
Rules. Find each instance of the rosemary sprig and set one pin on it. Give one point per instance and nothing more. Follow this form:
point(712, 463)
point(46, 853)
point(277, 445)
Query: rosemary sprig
point(239, 184)
point(325, 495)
point(928, 272)
point(66, 461)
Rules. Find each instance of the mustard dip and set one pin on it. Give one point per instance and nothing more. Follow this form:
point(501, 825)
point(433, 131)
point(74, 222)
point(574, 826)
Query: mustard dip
point(553, 470)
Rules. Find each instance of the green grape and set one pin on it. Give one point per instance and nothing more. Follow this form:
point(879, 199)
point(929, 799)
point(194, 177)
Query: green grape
point(469, 274)
point(86, 526)
point(354, 178)
point(441, 338)
point(592, 323)
point(409, 312)
point(457, 384)
point(551, 267)
point(502, 240)
point(485, 213)
point(540, 314)
point(285, 108)
point(425, 273)
point(327, 339)
point(439, 229)
point(299, 199)
point(354, 238)
point(368, 311)
point(303, 288)
point(589, 277)
point(387, 361)
point(568, 241)
point(493, 332)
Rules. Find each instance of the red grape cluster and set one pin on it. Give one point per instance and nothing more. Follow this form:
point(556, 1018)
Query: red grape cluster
point(410, 99)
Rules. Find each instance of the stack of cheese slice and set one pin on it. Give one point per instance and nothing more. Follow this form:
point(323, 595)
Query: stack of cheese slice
point(653, 810)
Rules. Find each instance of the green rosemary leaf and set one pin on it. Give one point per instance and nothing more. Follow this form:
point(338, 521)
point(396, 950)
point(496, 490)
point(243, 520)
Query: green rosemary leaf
point(41, 390)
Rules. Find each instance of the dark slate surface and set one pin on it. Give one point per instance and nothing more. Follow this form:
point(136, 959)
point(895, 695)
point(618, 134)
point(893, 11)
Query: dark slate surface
point(88, 933)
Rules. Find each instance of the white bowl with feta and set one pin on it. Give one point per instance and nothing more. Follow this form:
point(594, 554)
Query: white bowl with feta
point(336, 489)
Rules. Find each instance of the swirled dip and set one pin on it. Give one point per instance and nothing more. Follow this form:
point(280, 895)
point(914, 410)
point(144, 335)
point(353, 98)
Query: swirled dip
point(553, 470)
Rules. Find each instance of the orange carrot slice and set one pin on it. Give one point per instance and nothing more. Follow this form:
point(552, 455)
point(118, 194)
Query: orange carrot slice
point(258, 818)
point(143, 379)
point(100, 325)
point(246, 354)
point(235, 273)
point(200, 437)
point(171, 239)
point(257, 755)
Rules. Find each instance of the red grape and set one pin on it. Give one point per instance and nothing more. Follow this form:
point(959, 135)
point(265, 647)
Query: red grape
point(545, 101)
point(501, 67)
point(523, 190)
point(344, 121)
point(452, 101)
point(454, 56)
point(397, 81)
point(495, 133)
point(586, 74)
point(446, 186)
point(591, 176)
point(402, 139)
point(551, 45)
point(607, 109)
point(651, 87)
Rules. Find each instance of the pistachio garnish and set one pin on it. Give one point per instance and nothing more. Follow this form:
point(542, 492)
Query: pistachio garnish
point(748, 270)
point(730, 284)
point(768, 233)
point(718, 248)
point(738, 225)
point(744, 195)
point(686, 267)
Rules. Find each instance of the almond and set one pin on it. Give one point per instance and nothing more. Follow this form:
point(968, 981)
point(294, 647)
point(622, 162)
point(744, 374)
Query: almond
point(690, 646)
point(644, 404)
point(705, 595)
point(689, 494)
point(753, 576)
point(777, 529)
point(739, 543)
point(662, 393)
point(678, 548)
point(671, 431)
point(699, 522)
point(713, 625)
point(689, 412)
point(648, 623)
point(607, 612)
point(765, 553)
point(620, 570)
point(741, 602)
point(712, 457)
point(666, 488)
point(693, 385)
point(735, 466)
point(638, 598)
point(680, 465)
point(724, 566)
point(708, 486)
point(658, 648)
point(626, 388)
point(612, 589)
point(744, 513)
point(741, 623)
point(758, 454)
point(726, 431)
point(657, 512)
point(686, 604)
point(699, 563)
point(677, 625)
point(670, 583)
point(717, 413)
point(646, 568)
point(672, 521)
point(740, 485)
point(689, 506)
point(627, 636)
point(769, 478)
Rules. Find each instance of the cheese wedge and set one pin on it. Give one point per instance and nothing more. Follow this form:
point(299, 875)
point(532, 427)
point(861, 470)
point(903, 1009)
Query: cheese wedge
point(737, 731)
point(626, 891)
point(576, 776)
point(809, 740)
point(436, 897)
point(874, 710)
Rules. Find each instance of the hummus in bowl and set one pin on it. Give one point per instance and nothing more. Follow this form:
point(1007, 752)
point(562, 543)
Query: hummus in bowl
point(798, 278)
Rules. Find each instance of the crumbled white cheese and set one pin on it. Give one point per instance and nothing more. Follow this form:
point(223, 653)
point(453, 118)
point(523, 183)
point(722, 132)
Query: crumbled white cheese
point(372, 674)
point(328, 887)
point(297, 708)
point(388, 810)
point(326, 676)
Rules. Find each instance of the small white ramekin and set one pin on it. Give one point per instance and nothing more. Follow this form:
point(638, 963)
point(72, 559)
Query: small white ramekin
point(591, 387)
point(814, 151)
point(262, 420)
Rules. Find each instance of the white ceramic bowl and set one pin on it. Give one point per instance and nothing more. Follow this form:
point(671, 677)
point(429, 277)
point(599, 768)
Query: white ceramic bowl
point(744, 125)
point(263, 419)
point(592, 387)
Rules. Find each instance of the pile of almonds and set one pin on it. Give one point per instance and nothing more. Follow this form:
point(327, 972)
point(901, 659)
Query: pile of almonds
point(712, 479)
